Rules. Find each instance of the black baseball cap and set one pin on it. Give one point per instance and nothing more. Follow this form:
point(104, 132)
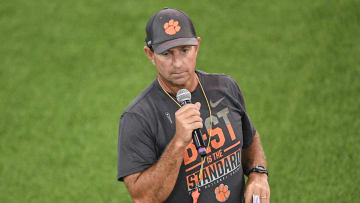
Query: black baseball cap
point(169, 28)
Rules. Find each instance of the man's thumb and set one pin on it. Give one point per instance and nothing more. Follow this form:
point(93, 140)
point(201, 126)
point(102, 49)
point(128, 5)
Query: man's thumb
point(198, 105)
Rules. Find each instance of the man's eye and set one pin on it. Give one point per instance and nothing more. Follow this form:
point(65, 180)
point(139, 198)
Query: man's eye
point(165, 53)
point(185, 50)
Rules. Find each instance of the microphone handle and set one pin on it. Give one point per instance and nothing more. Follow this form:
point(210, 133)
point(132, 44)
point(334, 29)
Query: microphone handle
point(199, 142)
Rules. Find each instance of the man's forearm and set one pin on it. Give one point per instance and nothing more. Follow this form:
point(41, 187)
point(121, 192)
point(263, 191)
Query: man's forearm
point(257, 183)
point(254, 154)
point(157, 182)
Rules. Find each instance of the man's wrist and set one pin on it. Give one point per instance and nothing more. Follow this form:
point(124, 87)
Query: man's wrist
point(258, 169)
point(179, 143)
point(257, 175)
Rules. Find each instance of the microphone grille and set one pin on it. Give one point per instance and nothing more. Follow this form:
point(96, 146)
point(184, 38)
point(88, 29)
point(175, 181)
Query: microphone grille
point(183, 95)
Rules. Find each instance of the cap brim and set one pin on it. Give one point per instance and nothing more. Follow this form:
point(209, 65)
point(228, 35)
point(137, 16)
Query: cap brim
point(174, 43)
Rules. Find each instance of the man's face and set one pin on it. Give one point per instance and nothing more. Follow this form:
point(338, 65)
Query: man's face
point(176, 66)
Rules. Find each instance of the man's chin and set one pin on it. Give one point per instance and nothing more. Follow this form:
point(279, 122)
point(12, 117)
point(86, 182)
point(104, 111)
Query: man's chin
point(180, 82)
point(179, 85)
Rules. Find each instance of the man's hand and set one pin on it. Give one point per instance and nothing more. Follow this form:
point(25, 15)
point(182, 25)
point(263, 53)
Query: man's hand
point(257, 184)
point(187, 119)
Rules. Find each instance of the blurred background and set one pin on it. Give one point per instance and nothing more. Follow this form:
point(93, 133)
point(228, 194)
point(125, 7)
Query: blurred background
point(68, 69)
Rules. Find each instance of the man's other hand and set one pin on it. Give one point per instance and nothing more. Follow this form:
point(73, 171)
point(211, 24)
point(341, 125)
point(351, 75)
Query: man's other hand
point(257, 184)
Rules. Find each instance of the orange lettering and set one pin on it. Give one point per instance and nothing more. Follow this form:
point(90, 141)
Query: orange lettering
point(217, 143)
point(231, 131)
point(190, 158)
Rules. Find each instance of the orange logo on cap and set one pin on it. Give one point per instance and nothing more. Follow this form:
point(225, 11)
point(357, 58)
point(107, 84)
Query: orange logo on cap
point(172, 27)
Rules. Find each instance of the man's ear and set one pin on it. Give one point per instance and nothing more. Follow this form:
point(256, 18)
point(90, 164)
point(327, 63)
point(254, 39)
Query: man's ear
point(149, 54)
point(198, 46)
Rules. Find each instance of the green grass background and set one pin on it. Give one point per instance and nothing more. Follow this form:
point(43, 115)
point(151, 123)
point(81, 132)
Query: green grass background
point(69, 68)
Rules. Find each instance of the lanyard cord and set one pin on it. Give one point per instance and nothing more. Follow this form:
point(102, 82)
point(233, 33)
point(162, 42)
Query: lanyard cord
point(195, 193)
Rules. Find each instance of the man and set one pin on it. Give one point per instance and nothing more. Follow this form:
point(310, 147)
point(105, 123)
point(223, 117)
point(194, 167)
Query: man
point(157, 159)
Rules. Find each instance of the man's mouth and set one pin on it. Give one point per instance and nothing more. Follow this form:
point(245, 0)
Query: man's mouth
point(178, 73)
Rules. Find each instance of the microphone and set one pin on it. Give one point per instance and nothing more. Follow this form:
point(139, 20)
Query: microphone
point(183, 96)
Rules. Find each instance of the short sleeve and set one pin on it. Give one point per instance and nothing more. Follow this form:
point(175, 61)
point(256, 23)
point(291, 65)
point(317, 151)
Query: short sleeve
point(247, 126)
point(136, 145)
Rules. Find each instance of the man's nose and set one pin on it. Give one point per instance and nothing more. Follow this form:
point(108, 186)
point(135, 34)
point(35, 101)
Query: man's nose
point(177, 60)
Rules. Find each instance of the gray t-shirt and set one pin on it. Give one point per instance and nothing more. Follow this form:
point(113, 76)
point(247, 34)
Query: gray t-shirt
point(148, 125)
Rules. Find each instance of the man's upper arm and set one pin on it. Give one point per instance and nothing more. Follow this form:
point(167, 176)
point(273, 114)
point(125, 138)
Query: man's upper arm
point(247, 126)
point(136, 147)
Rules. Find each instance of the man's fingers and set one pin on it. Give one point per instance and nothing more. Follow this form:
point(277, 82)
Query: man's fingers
point(248, 195)
point(190, 113)
point(196, 125)
point(264, 199)
point(188, 108)
point(195, 106)
point(188, 119)
point(194, 122)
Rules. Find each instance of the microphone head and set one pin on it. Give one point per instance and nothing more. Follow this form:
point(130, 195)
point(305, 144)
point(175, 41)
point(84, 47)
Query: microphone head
point(183, 95)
